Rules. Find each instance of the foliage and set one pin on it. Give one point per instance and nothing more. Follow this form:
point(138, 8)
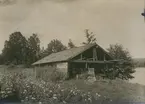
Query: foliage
point(71, 44)
point(33, 91)
point(53, 47)
point(125, 67)
point(1, 59)
point(14, 49)
point(18, 50)
point(30, 90)
point(117, 51)
point(90, 37)
point(33, 49)
point(139, 62)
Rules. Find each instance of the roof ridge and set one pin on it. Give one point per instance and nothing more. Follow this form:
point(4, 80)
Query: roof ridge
point(72, 48)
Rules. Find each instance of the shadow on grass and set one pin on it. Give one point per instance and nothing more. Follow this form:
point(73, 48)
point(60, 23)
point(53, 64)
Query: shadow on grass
point(10, 99)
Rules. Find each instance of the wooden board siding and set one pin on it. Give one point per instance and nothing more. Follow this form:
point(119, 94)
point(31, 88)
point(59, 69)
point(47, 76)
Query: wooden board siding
point(44, 70)
point(48, 69)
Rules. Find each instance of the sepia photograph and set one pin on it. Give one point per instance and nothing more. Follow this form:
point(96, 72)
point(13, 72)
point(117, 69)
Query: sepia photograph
point(72, 51)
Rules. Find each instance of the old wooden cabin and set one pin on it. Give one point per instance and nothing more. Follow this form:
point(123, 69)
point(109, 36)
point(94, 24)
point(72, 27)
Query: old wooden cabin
point(77, 60)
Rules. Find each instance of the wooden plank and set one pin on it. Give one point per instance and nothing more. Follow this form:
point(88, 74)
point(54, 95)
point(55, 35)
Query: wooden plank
point(104, 57)
point(86, 61)
point(95, 54)
point(81, 57)
point(86, 65)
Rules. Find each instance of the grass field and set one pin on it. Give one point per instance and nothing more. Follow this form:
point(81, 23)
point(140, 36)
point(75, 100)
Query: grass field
point(110, 90)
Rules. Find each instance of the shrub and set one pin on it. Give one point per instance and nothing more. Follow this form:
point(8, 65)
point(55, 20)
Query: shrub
point(125, 67)
point(33, 91)
point(122, 71)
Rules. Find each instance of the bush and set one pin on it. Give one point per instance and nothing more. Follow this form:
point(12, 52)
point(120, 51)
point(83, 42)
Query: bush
point(122, 71)
point(33, 91)
point(124, 68)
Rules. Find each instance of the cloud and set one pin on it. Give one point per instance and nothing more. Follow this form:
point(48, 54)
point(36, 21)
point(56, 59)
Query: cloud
point(113, 21)
point(10, 2)
point(7, 2)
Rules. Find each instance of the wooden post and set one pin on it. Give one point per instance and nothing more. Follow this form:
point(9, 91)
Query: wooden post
point(94, 54)
point(86, 65)
point(81, 57)
point(34, 69)
point(104, 57)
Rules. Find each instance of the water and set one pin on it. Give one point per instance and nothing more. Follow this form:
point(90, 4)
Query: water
point(139, 76)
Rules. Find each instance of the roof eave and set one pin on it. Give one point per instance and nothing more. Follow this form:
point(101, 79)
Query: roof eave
point(49, 62)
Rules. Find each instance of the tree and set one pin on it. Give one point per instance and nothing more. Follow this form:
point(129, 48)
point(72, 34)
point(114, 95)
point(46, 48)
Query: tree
point(118, 52)
point(125, 67)
point(55, 46)
point(14, 49)
point(71, 44)
point(1, 59)
point(33, 49)
point(90, 37)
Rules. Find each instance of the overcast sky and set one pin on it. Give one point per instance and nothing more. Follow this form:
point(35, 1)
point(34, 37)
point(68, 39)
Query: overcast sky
point(113, 21)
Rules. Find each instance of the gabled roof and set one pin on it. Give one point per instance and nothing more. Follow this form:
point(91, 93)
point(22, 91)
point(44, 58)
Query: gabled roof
point(65, 55)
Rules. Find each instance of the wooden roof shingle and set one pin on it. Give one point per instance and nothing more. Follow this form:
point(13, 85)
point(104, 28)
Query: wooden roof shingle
point(64, 55)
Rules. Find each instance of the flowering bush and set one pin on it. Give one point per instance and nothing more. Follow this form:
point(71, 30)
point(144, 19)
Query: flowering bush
point(32, 90)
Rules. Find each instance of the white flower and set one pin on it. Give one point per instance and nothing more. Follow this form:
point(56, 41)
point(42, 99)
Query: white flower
point(54, 97)
point(40, 102)
point(7, 88)
point(33, 98)
point(9, 92)
point(78, 90)
point(64, 102)
point(90, 99)
point(98, 95)
point(50, 91)
point(2, 92)
point(58, 86)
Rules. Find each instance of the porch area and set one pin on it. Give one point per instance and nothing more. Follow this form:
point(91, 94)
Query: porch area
point(91, 67)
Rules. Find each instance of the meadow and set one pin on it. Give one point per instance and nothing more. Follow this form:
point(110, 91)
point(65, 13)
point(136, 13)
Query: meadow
point(22, 83)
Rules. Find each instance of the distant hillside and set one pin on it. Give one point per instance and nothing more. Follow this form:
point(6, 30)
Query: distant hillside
point(140, 62)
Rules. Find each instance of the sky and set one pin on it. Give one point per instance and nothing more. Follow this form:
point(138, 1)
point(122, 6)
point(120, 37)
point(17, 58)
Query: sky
point(113, 21)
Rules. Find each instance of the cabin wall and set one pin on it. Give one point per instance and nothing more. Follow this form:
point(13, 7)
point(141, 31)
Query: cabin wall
point(43, 71)
point(48, 69)
point(62, 67)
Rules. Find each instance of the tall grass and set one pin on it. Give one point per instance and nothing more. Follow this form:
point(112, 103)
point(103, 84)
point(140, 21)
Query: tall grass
point(28, 88)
